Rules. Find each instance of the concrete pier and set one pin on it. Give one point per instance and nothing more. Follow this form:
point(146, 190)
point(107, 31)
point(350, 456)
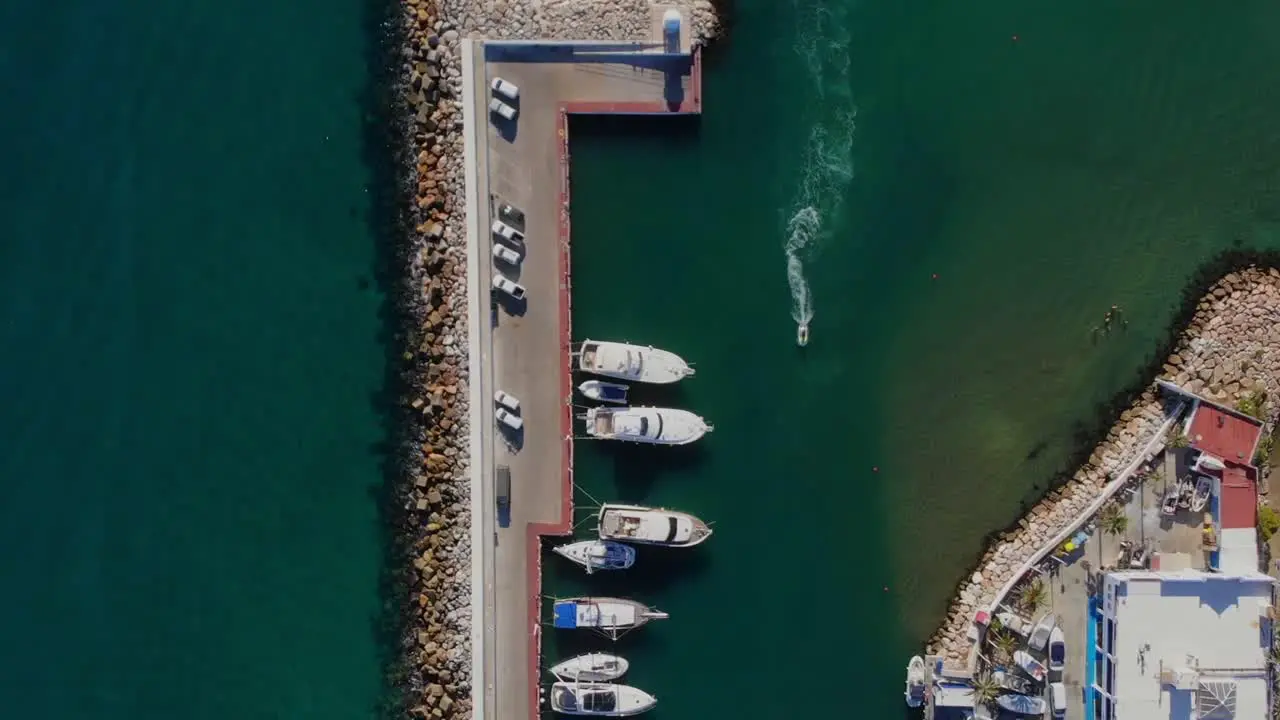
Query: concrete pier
point(524, 348)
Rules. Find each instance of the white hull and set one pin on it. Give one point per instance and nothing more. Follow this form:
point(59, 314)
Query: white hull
point(595, 555)
point(632, 362)
point(1022, 704)
point(654, 426)
point(600, 699)
point(650, 526)
point(609, 615)
point(914, 693)
point(592, 667)
point(601, 391)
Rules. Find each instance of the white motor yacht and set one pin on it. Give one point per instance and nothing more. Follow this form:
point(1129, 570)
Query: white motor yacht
point(592, 667)
point(632, 362)
point(604, 699)
point(655, 426)
point(611, 616)
point(598, 554)
point(651, 526)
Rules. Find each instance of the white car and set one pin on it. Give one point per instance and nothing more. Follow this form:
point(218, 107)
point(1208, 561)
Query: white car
point(505, 254)
point(507, 400)
point(505, 89)
point(1058, 699)
point(510, 287)
point(1057, 650)
point(502, 109)
point(507, 418)
point(508, 233)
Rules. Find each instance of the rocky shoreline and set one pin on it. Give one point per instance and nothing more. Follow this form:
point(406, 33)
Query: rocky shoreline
point(1229, 348)
point(433, 675)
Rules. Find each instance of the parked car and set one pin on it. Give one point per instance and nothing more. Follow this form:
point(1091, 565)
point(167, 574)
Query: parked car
point(1058, 699)
point(507, 418)
point(503, 487)
point(508, 233)
point(1057, 650)
point(505, 89)
point(505, 254)
point(502, 109)
point(511, 215)
point(510, 287)
point(507, 400)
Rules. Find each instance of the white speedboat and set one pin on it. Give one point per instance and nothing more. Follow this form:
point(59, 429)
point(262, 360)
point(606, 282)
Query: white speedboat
point(611, 616)
point(1022, 704)
point(655, 426)
point(1029, 665)
point(915, 682)
point(1040, 633)
point(802, 335)
point(604, 699)
point(592, 667)
point(632, 362)
point(598, 554)
point(604, 391)
point(651, 526)
point(1200, 498)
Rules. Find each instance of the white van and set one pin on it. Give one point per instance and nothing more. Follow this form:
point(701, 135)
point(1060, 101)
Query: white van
point(510, 287)
point(506, 232)
point(506, 418)
point(502, 253)
point(507, 400)
point(502, 109)
point(505, 89)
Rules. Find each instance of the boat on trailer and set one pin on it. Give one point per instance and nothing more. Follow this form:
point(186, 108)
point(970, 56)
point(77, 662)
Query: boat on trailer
point(651, 526)
point(915, 682)
point(632, 362)
point(602, 391)
point(603, 699)
point(610, 616)
point(595, 555)
point(592, 667)
point(654, 426)
point(1200, 498)
point(1029, 665)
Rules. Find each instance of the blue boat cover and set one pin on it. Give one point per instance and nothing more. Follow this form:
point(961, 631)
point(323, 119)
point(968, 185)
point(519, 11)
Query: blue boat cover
point(566, 614)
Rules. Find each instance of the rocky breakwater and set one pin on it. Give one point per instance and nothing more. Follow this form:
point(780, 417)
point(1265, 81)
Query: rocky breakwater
point(436, 679)
point(1229, 349)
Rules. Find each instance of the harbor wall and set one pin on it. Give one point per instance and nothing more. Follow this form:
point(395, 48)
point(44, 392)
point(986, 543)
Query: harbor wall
point(429, 588)
point(1224, 344)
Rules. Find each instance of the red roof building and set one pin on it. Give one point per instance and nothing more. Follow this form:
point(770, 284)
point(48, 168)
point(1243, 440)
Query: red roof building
point(1225, 434)
point(1238, 497)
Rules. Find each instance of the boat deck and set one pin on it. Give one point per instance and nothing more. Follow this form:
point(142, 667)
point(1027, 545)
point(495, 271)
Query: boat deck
point(524, 348)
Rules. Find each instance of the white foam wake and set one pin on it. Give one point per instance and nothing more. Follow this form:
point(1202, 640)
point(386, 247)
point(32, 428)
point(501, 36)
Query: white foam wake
point(827, 169)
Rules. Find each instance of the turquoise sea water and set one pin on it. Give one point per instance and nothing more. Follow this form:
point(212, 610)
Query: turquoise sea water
point(190, 462)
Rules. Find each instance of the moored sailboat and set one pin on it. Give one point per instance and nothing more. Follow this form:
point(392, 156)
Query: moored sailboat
point(611, 616)
point(592, 667)
point(595, 555)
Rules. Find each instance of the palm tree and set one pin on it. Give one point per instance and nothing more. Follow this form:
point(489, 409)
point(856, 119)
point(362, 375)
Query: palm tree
point(985, 689)
point(1033, 596)
point(1004, 643)
point(1111, 521)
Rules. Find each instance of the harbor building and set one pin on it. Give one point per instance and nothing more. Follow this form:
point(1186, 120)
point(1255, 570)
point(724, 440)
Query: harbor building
point(1183, 644)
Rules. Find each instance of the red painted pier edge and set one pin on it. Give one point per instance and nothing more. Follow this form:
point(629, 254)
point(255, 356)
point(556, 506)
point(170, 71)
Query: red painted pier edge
point(565, 526)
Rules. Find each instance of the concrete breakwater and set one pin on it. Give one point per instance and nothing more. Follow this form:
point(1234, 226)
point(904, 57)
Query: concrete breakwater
point(435, 673)
point(1229, 349)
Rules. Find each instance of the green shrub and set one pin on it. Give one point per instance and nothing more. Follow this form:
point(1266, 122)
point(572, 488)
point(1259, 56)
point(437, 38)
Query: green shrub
point(1178, 440)
point(1268, 522)
point(1253, 404)
point(1263, 456)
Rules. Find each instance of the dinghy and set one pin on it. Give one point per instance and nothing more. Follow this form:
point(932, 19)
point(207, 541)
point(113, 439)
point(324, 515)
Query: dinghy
point(1200, 498)
point(595, 555)
point(654, 426)
point(915, 682)
point(1029, 665)
point(650, 526)
point(592, 667)
point(1169, 505)
point(632, 362)
point(604, 391)
point(611, 616)
point(603, 699)
point(1022, 704)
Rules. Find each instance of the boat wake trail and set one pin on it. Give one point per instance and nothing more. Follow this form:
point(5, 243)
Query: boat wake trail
point(827, 169)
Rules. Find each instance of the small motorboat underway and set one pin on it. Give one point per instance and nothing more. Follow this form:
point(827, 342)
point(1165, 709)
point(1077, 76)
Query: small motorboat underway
point(651, 526)
point(604, 699)
point(802, 338)
point(604, 391)
point(592, 667)
point(1029, 665)
point(655, 426)
point(611, 616)
point(598, 554)
point(1022, 704)
point(915, 682)
point(632, 362)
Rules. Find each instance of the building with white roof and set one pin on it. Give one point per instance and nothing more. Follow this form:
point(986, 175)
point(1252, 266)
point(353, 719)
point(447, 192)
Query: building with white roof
point(1183, 645)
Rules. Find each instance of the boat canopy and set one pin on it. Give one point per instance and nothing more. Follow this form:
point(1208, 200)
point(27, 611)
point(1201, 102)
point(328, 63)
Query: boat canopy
point(566, 614)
